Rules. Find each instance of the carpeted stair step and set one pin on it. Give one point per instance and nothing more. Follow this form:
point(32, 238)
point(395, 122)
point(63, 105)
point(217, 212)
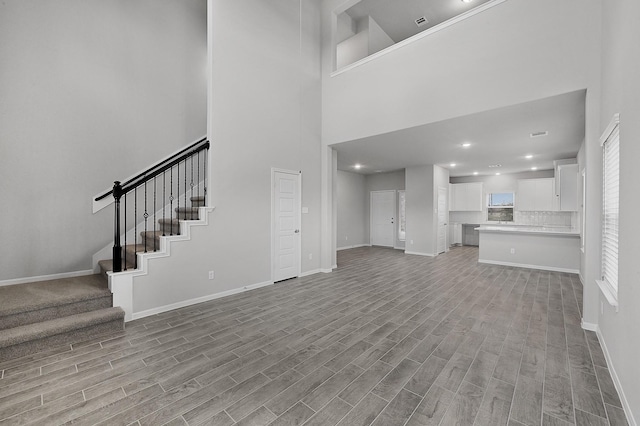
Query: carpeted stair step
point(152, 239)
point(24, 304)
point(170, 226)
point(197, 201)
point(107, 266)
point(187, 213)
point(131, 250)
point(20, 341)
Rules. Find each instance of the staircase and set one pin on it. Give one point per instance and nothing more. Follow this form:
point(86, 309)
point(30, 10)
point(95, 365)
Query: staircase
point(40, 315)
point(150, 240)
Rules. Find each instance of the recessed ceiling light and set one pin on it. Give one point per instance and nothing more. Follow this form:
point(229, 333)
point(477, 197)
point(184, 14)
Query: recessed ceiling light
point(528, 156)
point(475, 173)
point(357, 166)
point(498, 174)
point(466, 145)
point(452, 165)
point(534, 168)
point(467, 1)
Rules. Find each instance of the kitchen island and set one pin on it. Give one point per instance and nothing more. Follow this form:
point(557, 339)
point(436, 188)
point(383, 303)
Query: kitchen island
point(536, 247)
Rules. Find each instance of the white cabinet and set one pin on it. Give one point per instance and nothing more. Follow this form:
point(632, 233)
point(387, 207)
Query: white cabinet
point(455, 234)
point(567, 187)
point(536, 195)
point(465, 197)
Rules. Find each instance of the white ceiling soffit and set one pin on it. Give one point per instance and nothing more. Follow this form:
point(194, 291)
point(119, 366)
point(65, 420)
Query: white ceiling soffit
point(397, 18)
point(500, 136)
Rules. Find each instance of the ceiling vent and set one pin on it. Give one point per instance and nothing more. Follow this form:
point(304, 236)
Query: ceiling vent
point(421, 21)
point(493, 166)
point(538, 134)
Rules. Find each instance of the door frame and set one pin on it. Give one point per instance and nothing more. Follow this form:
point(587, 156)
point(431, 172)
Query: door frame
point(395, 213)
point(446, 219)
point(297, 173)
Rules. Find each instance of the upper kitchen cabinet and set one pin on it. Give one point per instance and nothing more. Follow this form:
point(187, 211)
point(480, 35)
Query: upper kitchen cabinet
point(567, 187)
point(536, 195)
point(465, 197)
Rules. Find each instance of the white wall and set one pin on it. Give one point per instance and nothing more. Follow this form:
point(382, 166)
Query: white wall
point(512, 53)
point(620, 91)
point(353, 204)
point(90, 92)
point(378, 39)
point(419, 210)
point(265, 113)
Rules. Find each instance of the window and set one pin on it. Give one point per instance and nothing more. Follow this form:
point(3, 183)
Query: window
point(402, 221)
point(610, 211)
point(500, 207)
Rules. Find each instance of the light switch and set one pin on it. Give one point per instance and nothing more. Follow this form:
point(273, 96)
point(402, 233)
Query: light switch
point(305, 210)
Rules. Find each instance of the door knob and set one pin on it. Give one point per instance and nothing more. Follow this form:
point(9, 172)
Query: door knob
point(296, 231)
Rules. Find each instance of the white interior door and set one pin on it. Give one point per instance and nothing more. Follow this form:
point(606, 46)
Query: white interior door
point(286, 225)
point(442, 220)
point(383, 210)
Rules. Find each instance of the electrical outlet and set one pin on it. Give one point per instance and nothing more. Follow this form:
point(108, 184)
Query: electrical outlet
point(346, 237)
point(411, 241)
point(310, 256)
point(212, 275)
point(513, 251)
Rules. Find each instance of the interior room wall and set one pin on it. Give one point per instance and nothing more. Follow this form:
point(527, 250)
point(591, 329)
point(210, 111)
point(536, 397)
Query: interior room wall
point(620, 88)
point(518, 52)
point(419, 210)
point(352, 208)
point(90, 92)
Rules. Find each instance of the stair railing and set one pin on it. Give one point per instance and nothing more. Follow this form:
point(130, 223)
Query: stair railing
point(192, 160)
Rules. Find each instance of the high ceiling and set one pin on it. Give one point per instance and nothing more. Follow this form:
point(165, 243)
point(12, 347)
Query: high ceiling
point(500, 136)
point(397, 17)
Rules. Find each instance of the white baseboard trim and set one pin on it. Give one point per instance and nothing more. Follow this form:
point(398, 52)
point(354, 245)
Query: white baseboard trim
point(46, 277)
point(311, 272)
point(184, 303)
point(353, 246)
point(523, 265)
point(326, 270)
point(616, 380)
point(417, 253)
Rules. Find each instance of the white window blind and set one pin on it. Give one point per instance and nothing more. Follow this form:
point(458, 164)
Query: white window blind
point(610, 208)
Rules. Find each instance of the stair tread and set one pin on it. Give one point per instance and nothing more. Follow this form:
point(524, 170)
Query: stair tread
point(19, 298)
point(26, 333)
point(107, 264)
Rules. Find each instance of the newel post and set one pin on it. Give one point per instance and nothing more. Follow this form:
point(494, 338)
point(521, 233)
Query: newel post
point(117, 248)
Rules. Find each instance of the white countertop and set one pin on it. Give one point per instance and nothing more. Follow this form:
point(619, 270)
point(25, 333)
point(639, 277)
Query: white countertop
point(523, 229)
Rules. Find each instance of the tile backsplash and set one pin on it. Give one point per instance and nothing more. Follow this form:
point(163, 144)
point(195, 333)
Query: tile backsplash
point(522, 218)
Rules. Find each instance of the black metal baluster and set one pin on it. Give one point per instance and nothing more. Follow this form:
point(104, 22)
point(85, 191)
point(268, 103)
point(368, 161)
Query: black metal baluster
point(171, 201)
point(206, 158)
point(198, 173)
point(155, 219)
point(125, 231)
point(178, 194)
point(145, 216)
point(135, 228)
point(164, 201)
point(185, 189)
point(117, 249)
point(191, 183)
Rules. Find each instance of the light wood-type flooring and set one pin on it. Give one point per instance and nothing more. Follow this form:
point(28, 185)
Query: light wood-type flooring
point(386, 339)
